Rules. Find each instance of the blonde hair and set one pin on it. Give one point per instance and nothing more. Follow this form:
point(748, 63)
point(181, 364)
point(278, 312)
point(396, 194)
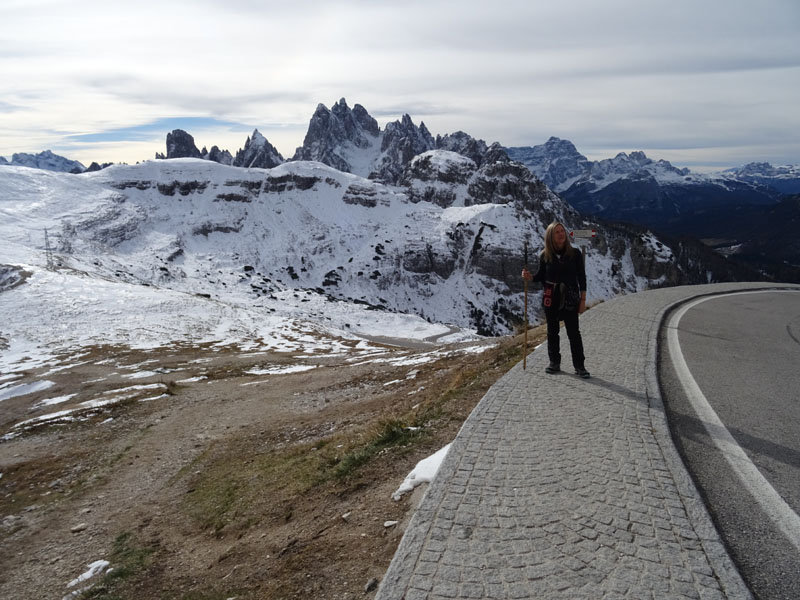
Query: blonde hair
point(550, 251)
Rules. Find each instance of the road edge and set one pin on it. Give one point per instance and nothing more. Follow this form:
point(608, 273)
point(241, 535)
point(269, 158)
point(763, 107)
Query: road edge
point(723, 565)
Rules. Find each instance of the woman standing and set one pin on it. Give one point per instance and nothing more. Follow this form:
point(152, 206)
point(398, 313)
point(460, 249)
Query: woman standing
point(563, 275)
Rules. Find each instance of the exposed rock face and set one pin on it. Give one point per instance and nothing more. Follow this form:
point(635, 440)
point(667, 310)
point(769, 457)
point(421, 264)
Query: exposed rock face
point(463, 144)
point(10, 277)
point(97, 167)
point(181, 145)
point(335, 135)
point(440, 177)
point(257, 153)
point(507, 182)
point(556, 162)
point(447, 178)
point(350, 140)
point(402, 141)
point(222, 157)
point(440, 166)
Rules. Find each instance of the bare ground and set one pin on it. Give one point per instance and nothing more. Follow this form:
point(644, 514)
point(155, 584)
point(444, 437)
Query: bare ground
point(232, 486)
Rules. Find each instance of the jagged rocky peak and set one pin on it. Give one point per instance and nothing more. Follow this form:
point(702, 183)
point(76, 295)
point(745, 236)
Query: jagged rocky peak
point(95, 166)
point(555, 162)
point(404, 133)
point(334, 133)
point(180, 144)
point(464, 144)
point(634, 162)
point(216, 155)
point(402, 141)
point(356, 122)
point(496, 153)
point(258, 153)
point(766, 169)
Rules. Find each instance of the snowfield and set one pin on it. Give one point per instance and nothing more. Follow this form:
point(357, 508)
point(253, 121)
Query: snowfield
point(103, 293)
point(302, 260)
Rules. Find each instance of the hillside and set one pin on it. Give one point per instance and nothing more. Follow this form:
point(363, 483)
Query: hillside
point(254, 238)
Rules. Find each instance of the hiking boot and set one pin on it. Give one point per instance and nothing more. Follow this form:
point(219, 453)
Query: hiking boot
point(583, 373)
point(552, 368)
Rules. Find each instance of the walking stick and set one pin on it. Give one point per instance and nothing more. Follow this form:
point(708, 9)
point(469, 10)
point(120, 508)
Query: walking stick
point(525, 347)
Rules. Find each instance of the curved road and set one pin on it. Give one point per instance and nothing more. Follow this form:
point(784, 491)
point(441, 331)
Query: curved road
point(730, 378)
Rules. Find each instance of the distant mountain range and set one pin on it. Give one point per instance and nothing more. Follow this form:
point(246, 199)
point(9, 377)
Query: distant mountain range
point(49, 161)
point(459, 170)
point(44, 160)
point(440, 233)
point(634, 188)
point(729, 210)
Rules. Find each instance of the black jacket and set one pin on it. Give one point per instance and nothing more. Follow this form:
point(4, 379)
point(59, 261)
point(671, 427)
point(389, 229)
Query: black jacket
point(565, 269)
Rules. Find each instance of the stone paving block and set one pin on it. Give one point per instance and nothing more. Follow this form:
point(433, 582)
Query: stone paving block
point(558, 487)
point(471, 590)
point(421, 583)
point(417, 594)
point(445, 589)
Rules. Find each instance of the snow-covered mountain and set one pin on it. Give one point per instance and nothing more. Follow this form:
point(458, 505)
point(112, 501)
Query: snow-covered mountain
point(424, 234)
point(634, 188)
point(784, 179)
point(350, 140)
point(557, 162)
point(347, 139)
point(299, 243)
point(728, 210)
point(44, 160)
point(257, 153)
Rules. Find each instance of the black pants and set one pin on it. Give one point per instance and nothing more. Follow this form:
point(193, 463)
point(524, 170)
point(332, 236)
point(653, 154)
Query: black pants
point(570, 318)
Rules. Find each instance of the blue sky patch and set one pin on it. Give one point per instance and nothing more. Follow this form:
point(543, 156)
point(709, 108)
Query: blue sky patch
point(163, 126)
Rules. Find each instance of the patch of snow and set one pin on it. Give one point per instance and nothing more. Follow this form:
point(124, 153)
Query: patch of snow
point(660, 251)
point(25, 388)
point(96, 568)
point(281, 370)
point(56, 400)
point(141, 375)
point(424, 472)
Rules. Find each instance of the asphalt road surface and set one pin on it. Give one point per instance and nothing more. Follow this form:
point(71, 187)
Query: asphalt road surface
point(743, 353)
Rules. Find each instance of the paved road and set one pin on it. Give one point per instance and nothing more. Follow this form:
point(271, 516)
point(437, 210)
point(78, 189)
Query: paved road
point(557, 487)
point(743, 351)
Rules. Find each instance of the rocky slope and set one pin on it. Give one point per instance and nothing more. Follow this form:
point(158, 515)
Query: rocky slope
point(447, 243)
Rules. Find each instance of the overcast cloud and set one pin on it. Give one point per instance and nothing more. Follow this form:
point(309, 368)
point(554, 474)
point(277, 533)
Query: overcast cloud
point(704, 84)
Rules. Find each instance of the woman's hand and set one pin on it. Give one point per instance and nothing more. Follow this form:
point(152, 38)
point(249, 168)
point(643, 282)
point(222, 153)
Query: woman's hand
point(582, 305)
point(526, 275)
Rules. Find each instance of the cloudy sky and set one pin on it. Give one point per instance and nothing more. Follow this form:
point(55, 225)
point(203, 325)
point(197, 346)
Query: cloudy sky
point(702, 83)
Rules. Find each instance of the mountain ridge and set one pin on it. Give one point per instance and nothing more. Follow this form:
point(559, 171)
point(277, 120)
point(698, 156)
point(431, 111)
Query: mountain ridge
point(254, 237)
